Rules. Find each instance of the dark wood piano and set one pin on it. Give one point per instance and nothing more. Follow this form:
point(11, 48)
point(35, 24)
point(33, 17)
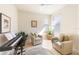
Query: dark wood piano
point(13, 44)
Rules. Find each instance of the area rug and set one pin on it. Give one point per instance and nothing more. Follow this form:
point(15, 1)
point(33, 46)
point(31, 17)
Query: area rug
point(37, 50)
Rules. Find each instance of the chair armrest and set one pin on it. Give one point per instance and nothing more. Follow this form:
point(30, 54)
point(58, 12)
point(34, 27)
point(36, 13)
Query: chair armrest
point(59, 43)
point(67, 44)
point(40, 36)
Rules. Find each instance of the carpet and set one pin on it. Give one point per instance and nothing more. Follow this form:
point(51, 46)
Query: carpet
point(37, 50)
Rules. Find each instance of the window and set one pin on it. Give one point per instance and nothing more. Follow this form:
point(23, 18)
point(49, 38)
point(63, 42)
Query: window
point(56, 24)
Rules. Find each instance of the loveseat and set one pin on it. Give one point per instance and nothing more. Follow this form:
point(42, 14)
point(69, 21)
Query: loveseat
point(63, 44)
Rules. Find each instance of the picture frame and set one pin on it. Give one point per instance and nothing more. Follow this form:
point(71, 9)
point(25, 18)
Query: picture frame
point(34, 23)
point(5, 23)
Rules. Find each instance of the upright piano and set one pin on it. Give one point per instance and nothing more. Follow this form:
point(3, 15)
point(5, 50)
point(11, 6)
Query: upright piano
point(11, 44)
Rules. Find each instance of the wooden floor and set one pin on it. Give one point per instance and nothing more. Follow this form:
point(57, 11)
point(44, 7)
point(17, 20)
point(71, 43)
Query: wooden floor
point(46, 44)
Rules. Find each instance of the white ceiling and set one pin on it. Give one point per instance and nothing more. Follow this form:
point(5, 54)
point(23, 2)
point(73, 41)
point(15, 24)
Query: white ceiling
point(40, 8)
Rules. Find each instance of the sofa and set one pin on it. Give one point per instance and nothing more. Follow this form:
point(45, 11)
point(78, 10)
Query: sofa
point(63, 44)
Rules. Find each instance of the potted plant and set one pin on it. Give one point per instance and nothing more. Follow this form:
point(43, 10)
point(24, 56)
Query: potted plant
point(49, 33)
point(23, 34)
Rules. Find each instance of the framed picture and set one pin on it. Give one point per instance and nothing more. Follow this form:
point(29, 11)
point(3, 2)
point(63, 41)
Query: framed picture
point(5, 23)
point(34, 23)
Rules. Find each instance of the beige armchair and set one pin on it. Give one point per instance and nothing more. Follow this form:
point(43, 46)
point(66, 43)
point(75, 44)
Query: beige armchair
point(64, 46)
point(36, 39)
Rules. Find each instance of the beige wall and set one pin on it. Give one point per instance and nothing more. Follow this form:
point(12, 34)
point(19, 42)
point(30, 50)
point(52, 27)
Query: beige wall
point(68, 19)
point(11, 11)
point(69, 23)
point(77, 41)
point(24, 21)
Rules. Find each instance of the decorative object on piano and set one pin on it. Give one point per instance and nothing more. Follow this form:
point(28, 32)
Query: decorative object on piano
point(34, 23)
point(5, 23)
point(22, 33)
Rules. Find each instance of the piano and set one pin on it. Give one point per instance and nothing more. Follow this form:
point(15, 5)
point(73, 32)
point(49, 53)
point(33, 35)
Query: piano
point(11, 44)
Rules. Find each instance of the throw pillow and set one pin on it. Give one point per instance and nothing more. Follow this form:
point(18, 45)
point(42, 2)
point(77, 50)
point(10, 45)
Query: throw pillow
point(61, 37)
point(66, 38)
